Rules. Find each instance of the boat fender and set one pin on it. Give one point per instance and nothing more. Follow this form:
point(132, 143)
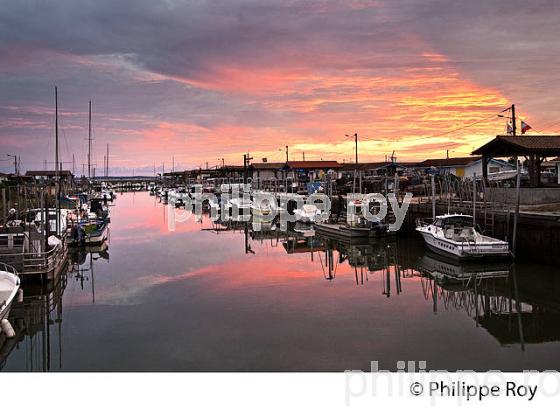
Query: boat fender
point(20, 295)
point(7, 328)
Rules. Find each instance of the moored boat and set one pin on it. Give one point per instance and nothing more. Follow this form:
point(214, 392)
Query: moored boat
point(454, 235)
point(9, 286)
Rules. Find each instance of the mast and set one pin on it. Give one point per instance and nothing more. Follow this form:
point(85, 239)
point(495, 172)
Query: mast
point(89, 143)
point(56, 165)
point(56, 132)
point(107, 172)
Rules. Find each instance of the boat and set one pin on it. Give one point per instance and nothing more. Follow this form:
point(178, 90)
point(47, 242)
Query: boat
point(454, 235)
point(357, 225)
point(9, 286)
point(90, 232)
point(309, 213)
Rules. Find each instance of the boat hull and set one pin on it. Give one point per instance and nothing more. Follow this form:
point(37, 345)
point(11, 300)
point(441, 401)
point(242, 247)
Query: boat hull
point(461, 252)
point(9, 286)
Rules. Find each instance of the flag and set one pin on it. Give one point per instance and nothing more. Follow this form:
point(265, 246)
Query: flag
point(509, 129)
point(524, 127)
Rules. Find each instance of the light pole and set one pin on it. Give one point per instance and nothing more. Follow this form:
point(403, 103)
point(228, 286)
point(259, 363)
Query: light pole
point(286, 149)
point(355, 135)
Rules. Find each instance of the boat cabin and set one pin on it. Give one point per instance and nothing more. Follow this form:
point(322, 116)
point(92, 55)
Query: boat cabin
point(456, 227)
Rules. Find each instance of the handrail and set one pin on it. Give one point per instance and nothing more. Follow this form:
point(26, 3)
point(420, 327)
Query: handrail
point(8, 268)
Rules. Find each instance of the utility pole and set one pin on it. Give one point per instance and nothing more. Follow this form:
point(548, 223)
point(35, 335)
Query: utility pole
point(15, 163)
point(73, 165)
point(173, 164)
point(513, 126)
point(89, 143)
point(303, 155)
point(287, 156)
point(246, 159)
point(356, 142)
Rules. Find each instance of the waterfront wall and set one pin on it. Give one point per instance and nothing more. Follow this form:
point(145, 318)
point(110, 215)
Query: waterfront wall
point(528, 196)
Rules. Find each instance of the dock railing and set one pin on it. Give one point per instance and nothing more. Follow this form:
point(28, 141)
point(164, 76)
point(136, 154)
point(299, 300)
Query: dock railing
point(44, 262)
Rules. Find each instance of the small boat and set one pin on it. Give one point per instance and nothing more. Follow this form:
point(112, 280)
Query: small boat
point(309, 213)
point(359, 226)
point(90, 232)
point(9, 286)
point(454, 235)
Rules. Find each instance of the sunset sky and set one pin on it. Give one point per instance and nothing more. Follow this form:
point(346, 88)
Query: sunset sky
point(204, 80)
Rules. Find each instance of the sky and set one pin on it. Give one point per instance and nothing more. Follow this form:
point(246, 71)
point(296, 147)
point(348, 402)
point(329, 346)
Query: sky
point(192, 82)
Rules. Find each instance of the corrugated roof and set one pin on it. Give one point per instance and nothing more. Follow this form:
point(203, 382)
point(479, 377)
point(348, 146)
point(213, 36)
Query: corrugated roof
point(448, 162)
point(505, 145)
point(313, 164)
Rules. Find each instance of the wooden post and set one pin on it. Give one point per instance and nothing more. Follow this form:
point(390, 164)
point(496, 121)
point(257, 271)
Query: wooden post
point(516, 215)
point(4, 205)
point(433, 178)
point(474, 199)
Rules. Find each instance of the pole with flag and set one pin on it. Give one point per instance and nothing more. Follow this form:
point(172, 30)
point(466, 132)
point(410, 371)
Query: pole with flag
point(525, 127)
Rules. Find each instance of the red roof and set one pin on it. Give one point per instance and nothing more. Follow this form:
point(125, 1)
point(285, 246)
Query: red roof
point(448, 162)
point(313, 164)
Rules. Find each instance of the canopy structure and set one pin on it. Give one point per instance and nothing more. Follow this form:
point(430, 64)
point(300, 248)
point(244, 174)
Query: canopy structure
point(535, 148)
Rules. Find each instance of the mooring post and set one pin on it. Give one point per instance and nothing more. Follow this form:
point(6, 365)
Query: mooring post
point(4, 205)
point(433, 178)
point(517, 199)
point(474, 198)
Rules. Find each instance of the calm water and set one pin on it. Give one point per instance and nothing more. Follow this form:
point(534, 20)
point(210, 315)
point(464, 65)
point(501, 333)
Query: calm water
point(208, 300)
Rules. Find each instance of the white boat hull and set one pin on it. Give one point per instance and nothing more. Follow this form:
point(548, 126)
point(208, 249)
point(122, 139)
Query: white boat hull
point(9, 286)
point(463, 250)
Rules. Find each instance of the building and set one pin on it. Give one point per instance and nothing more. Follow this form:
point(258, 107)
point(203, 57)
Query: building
point(267, 175)
point(49, 176)
point(465, 167)
point(536, 148)
point(301, 173)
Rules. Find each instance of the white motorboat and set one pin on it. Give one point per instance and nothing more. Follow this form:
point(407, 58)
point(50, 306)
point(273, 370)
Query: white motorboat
point(9, 286)
point(309, 213)
point(454, 235)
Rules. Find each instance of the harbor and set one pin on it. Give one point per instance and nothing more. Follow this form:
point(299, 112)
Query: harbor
point(222, 295)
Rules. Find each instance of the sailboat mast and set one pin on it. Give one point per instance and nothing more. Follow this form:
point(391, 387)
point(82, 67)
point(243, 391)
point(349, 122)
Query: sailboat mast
point(89, 143)
point(57, 177)
point(107, 172)
point(56, 132)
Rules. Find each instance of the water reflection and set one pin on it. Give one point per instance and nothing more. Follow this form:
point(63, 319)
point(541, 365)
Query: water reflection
point(37, 322)
point(226, 296)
